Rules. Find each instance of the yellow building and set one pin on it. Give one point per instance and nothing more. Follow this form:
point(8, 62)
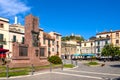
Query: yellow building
point(113, 35)
point(88, 46)
point(70, 47)
point(4, 33)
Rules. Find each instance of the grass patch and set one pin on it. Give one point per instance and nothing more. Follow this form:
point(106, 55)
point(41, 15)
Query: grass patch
point(18, 73)
point(68, 65)
point(15, 73)
point(2, 68)
point(24, 70)
point(92, 63)
point(27, 70)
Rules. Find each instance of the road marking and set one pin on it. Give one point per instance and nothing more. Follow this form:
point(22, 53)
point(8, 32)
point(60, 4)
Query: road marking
point(94, 72)
point(78, 75)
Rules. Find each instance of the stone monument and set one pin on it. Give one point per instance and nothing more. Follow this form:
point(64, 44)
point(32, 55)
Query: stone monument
point(29, 53)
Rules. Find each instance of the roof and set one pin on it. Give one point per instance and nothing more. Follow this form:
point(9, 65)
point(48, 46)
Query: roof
point(4, 19)
point(57, 34)
point(108, 32)
point(47, 36)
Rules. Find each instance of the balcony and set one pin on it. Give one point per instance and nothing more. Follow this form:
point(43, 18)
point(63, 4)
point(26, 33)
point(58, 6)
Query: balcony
point(3, 41)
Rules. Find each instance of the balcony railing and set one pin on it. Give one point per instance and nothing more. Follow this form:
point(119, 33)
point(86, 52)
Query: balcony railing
point(3, 41)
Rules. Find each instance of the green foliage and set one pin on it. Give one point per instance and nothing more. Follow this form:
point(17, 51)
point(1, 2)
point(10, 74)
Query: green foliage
point(77, 38)
point(92, 63)
point(68, 65)
point(14, 73)
point(55, 59)
point(110, 50)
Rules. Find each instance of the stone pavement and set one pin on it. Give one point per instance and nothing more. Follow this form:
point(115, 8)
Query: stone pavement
point(110, 71)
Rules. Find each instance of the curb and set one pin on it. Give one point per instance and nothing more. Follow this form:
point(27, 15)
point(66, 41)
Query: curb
point(38, 73)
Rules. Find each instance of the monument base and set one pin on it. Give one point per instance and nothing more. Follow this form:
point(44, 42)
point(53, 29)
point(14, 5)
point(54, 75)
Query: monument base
point(27, 63)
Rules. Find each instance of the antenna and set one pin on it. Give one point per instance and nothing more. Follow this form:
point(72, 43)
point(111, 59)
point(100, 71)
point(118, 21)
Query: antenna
point(15, 20)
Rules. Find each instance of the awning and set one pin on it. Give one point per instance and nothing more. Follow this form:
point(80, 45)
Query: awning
point(88, 54)
point(3, 50)
point(84, 54)
point(76, 54)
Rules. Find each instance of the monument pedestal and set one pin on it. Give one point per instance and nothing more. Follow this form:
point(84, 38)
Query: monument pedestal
point(29, 53)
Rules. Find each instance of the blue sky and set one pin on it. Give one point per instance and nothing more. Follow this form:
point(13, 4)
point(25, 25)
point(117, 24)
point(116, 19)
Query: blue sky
point(84, 17)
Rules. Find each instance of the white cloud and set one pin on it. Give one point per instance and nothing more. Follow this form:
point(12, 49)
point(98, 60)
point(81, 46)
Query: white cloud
point(12, 7)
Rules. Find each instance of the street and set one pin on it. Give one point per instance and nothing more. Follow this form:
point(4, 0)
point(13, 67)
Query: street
point(82, 72)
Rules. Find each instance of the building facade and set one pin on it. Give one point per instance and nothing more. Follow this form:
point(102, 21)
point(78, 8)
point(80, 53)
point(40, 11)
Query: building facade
point(12, 33)
point(70, 47)
point(96, 45)
point(88, 46)
point(4, 33)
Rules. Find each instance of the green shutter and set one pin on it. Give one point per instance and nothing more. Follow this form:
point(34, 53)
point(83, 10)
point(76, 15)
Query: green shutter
point(1, 37)
point(23, 40)
point(14, 38)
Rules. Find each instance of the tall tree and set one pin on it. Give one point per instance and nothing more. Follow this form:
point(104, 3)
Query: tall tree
point(110, 50)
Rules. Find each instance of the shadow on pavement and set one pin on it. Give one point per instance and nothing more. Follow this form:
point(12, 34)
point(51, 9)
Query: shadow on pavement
point(118, 66)
point(116, 78)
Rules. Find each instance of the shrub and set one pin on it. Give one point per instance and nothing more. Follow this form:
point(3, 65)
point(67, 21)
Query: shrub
point(93, 63)
point(55, 60)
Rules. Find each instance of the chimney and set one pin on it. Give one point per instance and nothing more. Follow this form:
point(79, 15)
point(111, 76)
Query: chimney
point(15, 20)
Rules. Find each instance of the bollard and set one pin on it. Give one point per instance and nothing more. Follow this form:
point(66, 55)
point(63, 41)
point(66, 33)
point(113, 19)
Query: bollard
point(32, 71)
point(76, 62)
point(50, 67)
point(7, 71)
point(64, 61)
point(71, 61)
point(62, 66)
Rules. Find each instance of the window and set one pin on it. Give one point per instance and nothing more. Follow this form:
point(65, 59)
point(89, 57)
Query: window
point(1, 37)
point(53, 42)
point(117, 41)
point(1, 46)
point(107, 36)
point(42, 52)
point(91, 44)
point(48, 42)
point(57, 43)
point(19, 30)
point(48, 48)
point(23, 40)
point(57, 49)
point(106, 42)
point(52, 49)
point(1, 26)
point(44, 41)
point(36, 52)
point(99, 36)
point(98, 50)
point(117, 34)
point(84, 44)
point(14, 38)
point(23, 51)
point(98, 43)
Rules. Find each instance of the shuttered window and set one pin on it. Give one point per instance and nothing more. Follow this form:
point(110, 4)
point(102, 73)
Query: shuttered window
point(1, 37)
